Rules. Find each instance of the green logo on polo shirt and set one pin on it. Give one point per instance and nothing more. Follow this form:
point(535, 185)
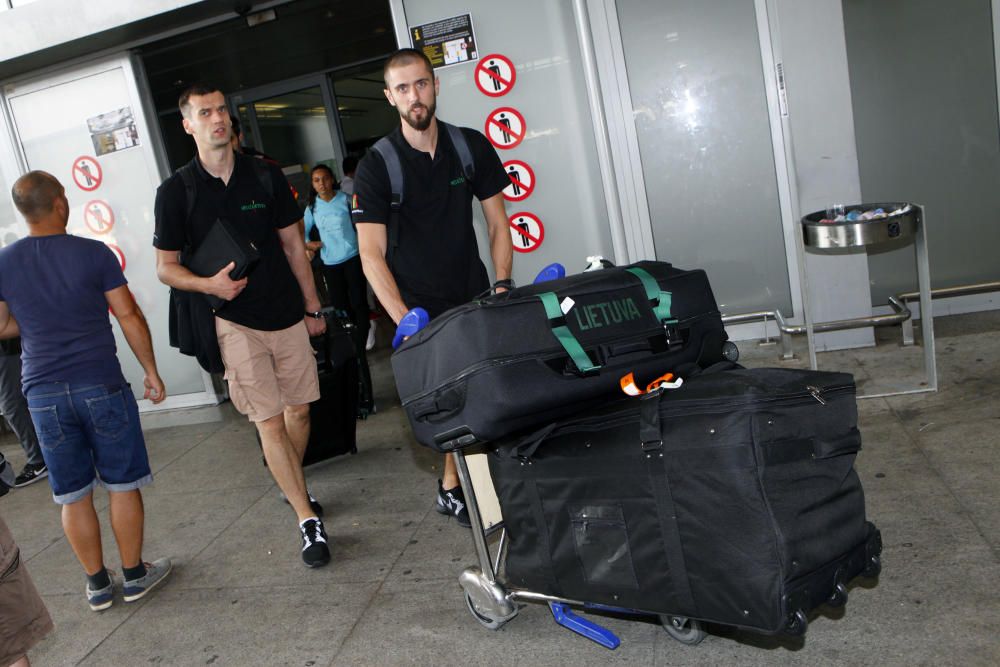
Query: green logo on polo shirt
point(458, 181)
point(252, 205)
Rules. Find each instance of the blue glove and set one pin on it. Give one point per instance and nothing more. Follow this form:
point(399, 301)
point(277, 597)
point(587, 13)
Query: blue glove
point(414, 320)
point(550, 272)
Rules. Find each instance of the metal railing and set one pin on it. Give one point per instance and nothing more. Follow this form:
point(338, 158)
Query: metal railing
point(899, 303)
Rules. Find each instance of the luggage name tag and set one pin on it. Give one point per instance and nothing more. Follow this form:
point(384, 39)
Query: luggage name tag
point(628, 385)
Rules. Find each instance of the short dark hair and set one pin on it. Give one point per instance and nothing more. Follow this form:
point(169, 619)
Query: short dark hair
point(349, 164)
point(235, 120)
point(35, 193)
point(404, 57)
point(200, 88)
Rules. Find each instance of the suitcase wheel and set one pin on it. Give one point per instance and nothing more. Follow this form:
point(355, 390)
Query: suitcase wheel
point(482, 618)
point(873, 568)
point(796, 624)
point(838, 598)
point(685, 630)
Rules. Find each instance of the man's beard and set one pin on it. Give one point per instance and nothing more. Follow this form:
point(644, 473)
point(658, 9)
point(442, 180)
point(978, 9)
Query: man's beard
point(420, 125)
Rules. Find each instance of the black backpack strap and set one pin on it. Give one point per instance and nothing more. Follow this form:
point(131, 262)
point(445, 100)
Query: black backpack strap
point(190, 190)
point(263, 173)
point(394, 168)
point(462, 148)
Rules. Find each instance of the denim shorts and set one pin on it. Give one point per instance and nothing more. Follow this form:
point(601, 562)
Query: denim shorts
point(90, 434)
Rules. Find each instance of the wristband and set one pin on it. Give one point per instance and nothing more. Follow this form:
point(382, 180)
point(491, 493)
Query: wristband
point(506, 283)
point(317, 315)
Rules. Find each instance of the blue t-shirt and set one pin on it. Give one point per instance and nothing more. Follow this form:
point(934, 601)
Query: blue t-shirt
point(333, 219)
point(54, 287)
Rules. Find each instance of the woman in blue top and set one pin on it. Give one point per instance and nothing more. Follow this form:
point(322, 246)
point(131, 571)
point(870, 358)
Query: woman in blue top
point(329, 212)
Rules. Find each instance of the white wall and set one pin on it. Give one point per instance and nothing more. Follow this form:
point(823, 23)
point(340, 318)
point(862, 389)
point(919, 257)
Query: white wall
point(47, 23)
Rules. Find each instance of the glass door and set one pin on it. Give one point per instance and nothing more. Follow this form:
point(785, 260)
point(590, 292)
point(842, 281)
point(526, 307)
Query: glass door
point(294, 124)
point(701, 117)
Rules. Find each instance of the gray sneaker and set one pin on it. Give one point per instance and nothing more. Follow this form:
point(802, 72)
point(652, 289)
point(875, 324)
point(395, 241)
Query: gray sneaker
point(156, 572)
point(102, 598)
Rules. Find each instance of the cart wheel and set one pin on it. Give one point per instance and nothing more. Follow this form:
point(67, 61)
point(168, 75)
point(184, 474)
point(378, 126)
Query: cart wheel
point(838, 598)
point(873, 568)
point(685, 630)
point(485, 621)
point(797, 624)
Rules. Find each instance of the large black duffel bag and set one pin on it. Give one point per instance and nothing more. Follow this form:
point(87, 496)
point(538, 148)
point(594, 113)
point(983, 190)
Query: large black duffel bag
point(521, 358)
point(732, 499)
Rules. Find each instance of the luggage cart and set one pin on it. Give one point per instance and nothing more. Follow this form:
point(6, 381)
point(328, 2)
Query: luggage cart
point(493, 604)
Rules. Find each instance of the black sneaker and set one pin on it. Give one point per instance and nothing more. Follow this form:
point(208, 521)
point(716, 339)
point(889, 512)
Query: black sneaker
point(31, 474)
point(315, 552)
point(452, 502)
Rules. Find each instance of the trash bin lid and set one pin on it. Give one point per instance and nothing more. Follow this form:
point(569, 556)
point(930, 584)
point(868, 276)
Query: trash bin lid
point(899, 222)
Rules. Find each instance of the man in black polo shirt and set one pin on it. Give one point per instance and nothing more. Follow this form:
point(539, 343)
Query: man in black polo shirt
point(264, 328)
point(435, 262)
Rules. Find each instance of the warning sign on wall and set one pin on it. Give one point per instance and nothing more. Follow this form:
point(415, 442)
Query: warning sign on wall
point(446, 42)
point(505, 127)
point(522, 180)
point(87, 173)
point(526, 231)
point(98, 216)
point(495, 75)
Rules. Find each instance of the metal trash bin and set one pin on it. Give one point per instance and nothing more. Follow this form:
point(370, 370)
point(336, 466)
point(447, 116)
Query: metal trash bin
point(898, 224)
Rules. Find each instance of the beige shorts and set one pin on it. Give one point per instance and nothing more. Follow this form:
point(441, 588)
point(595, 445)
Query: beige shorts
point(24, 621)
point(267, 370)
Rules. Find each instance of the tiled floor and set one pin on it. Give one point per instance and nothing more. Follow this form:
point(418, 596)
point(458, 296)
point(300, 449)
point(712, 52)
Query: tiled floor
point(240, 596)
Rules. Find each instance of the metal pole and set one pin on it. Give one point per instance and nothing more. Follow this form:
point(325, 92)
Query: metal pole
point(601, 136)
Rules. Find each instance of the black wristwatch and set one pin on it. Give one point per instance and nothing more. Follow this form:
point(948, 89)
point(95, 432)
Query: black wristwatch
point(317, 315)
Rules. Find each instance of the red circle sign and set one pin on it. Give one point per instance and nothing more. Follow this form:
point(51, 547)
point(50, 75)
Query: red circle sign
point(98, 216)
point(495, 75)
point(87, 173)
point(522, 180)
point(505, 127)
point(118, 253)
point(526, 231)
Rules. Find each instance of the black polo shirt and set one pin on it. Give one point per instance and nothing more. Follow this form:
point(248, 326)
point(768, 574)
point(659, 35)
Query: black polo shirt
point(436, 264)
point(272, 299)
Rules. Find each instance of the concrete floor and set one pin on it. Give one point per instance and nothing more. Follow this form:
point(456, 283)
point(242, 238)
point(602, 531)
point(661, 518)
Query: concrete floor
point(240, 595)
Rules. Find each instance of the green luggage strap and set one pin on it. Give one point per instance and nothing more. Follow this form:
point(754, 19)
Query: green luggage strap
point(564, 335)
point(658, 299)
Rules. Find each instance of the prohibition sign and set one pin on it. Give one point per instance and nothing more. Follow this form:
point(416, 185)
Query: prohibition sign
point(495, 75)
point(87, 173)
point(98, 216)
point(526, 231)
point(505, 127)
point(118, 253)
point(522, 180)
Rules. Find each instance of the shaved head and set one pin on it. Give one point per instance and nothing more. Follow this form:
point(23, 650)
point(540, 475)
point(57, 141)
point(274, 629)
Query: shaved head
point(35, 194)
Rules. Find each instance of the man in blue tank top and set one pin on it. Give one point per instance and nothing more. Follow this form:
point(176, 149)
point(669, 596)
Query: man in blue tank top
point(56, 290)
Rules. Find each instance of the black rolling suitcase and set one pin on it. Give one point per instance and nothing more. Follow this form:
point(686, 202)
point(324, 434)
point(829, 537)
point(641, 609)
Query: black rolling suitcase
point(732, 499)
point(521, 358)
point(333, 418)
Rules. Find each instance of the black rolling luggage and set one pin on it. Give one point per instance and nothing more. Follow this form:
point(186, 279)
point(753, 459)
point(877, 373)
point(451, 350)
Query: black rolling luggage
point(525, 357)
point(333, 418)
point(732, 499)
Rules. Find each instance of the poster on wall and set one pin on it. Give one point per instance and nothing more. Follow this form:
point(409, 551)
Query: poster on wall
point(446, 42)
point(113, 131)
